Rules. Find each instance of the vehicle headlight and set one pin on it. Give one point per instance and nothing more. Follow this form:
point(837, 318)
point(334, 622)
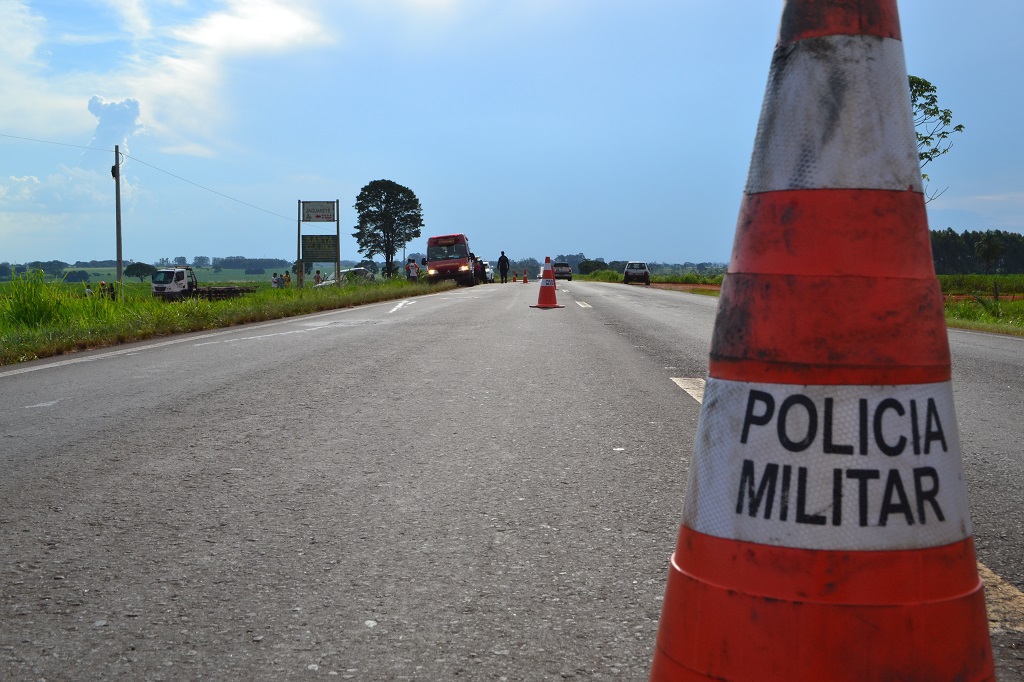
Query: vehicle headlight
point(431, 271)
point(463, 268)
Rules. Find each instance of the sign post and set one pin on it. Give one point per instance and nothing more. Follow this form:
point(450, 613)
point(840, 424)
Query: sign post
point(318, 248)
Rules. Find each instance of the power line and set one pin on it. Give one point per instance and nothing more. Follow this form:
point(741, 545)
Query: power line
point(196, 184)
point(157, 168)
point(60, 144)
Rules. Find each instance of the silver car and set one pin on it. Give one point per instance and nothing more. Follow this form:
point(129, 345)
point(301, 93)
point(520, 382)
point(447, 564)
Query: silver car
point(350, 275)
point(636, 271)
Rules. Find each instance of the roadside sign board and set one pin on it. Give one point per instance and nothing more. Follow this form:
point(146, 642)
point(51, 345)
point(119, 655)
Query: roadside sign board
point(320, 248)
point(318, 211)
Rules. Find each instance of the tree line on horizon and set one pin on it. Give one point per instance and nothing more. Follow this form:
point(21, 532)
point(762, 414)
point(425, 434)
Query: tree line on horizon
point(971, 252)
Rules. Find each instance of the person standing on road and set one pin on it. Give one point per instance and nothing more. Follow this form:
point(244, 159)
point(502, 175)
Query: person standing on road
point(287, 279)
point(412, 270)
point(317, 278)
point(503, 267)
point(273, 281)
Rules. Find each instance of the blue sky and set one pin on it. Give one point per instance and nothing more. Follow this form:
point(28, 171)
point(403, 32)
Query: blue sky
point(618, 128)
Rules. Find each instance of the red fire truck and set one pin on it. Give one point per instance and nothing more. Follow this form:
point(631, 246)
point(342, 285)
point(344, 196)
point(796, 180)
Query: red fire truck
point(449, 257)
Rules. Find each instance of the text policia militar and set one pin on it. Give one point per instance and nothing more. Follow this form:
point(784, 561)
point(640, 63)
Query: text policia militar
point(894, 497)
point(831, 456)
point(931, 426)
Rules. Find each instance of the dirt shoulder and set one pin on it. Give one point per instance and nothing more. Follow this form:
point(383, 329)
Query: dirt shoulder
point(686, 287)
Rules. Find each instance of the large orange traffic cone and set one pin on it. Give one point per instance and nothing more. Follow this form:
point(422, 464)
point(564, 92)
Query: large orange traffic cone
point(546, 298)
point(826, 532)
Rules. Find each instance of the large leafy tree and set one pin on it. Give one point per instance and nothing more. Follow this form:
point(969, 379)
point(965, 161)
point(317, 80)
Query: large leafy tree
point(932, 124)
point(390, 216)
point(140, 270)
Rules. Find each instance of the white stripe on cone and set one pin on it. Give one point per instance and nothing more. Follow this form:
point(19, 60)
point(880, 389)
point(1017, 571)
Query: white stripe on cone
point(859, 133)
point(828, 467)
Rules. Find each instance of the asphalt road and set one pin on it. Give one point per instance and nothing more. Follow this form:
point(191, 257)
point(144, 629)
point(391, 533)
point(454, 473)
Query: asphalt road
point(457, 486)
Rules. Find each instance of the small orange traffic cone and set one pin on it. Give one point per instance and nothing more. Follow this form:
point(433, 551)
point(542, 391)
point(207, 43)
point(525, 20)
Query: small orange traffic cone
point(515, 273)
point(547, 298)
point(826, 533)
point(525, 278)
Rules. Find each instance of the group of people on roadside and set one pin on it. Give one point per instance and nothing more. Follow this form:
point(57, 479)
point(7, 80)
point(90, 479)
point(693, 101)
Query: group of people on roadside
point(285, 280)
point(104, 292)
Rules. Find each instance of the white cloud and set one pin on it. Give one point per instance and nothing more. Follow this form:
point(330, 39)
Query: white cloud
point(254, 26)
point(20, 31)
point(178, 74)
point(116, 121)
point(19, 189)
point(133, 15)
point(75, 188)
point(32, 105)
point(189, 149)
point(182, 90)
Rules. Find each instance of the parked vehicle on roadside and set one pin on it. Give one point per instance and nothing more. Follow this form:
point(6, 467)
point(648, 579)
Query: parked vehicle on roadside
point(345, 276)
point(179, 282)
point(636, 271)
point(449, 257)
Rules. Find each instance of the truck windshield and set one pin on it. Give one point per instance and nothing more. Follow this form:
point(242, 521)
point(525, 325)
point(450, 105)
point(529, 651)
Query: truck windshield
point(446, 252)
point(163, 277)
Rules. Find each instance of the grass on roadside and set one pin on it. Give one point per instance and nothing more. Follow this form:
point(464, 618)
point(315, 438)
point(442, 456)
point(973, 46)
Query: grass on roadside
point(42, 319)
point(969, 299)
point(986, 315)
point(688, 278)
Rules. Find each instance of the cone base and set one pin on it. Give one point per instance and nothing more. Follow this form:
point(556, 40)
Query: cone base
point(547, 306)
point(711, 632)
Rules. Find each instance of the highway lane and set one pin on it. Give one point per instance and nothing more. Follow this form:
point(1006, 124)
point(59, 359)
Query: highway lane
point(456, 484)
point(988, 388)
point(453, 485)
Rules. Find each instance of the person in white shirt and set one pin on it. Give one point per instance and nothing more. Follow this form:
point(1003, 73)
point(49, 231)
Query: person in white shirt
point(412, 270)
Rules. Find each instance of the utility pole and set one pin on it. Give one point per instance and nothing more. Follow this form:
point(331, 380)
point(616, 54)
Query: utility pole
point(115, 170)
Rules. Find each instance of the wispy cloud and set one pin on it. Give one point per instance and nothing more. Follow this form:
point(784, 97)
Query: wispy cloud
point(248, 26)
point(182, 87)
point(133, 15)
point(176, 72)
point(33, 104)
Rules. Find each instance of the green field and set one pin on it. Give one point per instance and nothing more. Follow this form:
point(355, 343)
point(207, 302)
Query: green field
point(1010, 286)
